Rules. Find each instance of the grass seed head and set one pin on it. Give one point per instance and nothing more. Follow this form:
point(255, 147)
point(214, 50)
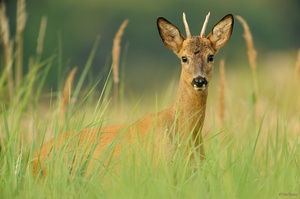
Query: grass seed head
point(221, 92)
point(298, 66)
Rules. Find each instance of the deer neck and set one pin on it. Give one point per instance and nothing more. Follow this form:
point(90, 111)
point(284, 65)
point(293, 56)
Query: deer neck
point(190, 107)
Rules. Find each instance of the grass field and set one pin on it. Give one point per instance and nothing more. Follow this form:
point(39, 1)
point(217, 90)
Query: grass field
point(252, 151)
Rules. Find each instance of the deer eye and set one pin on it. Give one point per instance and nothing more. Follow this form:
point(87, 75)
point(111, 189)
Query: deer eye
point(210, 58)
point(184, 59)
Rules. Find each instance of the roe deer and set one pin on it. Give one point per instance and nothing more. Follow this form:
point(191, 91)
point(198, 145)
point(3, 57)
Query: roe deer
point(183, 119)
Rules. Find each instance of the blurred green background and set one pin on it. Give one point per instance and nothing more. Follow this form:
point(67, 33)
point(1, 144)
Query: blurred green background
point(275, 26)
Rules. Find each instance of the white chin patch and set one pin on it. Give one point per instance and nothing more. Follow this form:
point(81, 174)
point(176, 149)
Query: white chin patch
point(199, 88)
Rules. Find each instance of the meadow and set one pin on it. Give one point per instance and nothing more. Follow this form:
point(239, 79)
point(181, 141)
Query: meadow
point(251, 131)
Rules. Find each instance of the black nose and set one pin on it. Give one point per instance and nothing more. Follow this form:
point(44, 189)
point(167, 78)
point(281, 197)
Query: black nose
point(199, 83)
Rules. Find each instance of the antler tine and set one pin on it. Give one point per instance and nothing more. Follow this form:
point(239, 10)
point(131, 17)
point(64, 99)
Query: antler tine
point(187, 30)
point(202, 34)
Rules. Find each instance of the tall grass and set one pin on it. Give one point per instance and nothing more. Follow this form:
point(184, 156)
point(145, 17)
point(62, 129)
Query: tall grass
point(222, 92)
point(7, 53)
point(297, 70)
point(67, 92)
point(116, 50)
point(252, 60)
point(249, 162)
point(21, 23)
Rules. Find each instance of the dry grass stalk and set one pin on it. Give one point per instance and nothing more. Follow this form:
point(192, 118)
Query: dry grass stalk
point(251, 56)
point(249, 42)
point(21, 15)
point(221, 92)
point(67, 91)
point(21, 22)
point(115, 60)
point(40, 41)
point(7, 48)
point(298, 66)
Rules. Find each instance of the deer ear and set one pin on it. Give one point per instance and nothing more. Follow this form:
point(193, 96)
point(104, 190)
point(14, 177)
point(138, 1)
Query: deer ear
point(221, 32)
point(170, 34)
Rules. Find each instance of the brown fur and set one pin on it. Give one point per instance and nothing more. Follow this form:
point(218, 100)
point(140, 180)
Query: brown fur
point(180, 123)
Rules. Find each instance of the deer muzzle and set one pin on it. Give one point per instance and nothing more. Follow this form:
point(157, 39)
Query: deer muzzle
point(199, 83)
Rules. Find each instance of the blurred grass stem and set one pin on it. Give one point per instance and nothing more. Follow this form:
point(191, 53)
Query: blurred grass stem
point(21, 23)
point(7, 49)
point(298, 66)
point(252, 54)
point(222, 92)
point(116, 60)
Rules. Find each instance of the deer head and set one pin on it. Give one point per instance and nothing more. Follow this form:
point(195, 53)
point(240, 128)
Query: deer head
point(196, 52)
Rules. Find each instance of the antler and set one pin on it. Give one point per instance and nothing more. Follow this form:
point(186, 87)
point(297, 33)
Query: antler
point(187, 30)
point(202, 34)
